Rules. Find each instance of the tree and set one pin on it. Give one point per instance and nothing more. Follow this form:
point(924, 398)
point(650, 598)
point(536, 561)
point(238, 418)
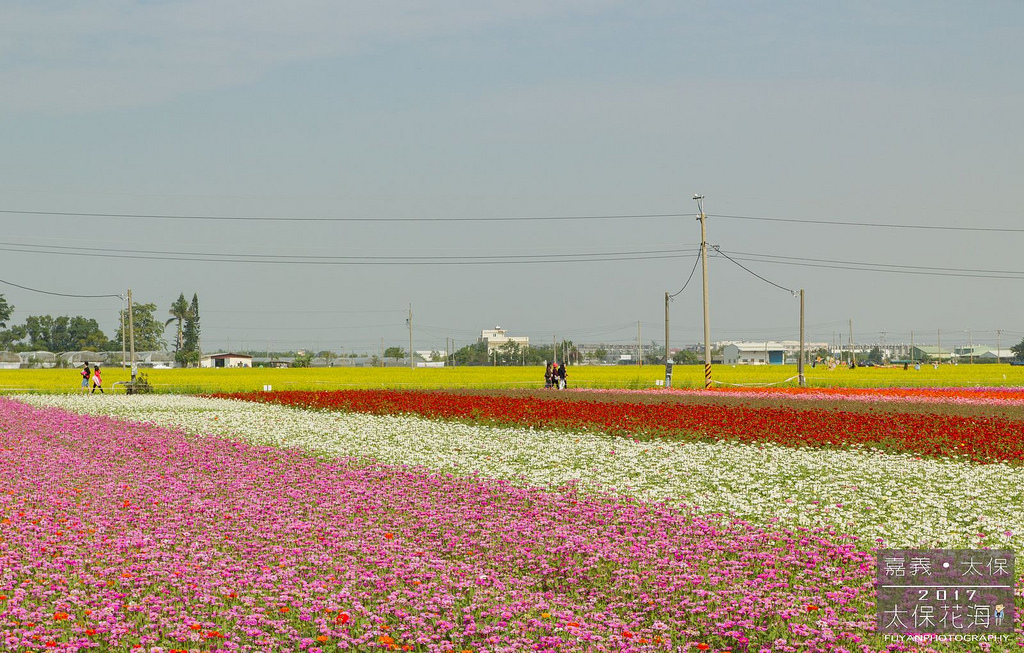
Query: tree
point(875, 355)
point(8, 337)
point(508, 353)
point(179, 312)
point(686, 357)
point(302, 360)
point(5, 312)
point(474, 354)
point(148, 330)
point(191, 352)
point(1018, 350)
point(394, 352)
point(654, 355)
point(600, 354)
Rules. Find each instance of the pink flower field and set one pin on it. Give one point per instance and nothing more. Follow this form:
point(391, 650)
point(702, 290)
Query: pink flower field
point(123, 536)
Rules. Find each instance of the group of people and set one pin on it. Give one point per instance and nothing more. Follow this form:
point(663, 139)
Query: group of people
point(554, 376)
point(94, 376)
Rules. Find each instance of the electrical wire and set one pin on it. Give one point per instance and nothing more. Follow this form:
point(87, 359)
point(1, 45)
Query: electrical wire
point(719, 250)
point(57, 294)
point(884, 225)
point(150, 216)
point(507, 259)
point(968, 273)
point(692, 270)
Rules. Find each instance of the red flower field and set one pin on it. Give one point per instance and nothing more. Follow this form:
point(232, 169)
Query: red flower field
point(978, 438)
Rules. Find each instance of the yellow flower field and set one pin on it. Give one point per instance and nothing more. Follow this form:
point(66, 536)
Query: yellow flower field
point(689, 376)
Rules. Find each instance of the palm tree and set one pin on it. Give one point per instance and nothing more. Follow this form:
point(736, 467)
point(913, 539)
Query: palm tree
point(180, 312)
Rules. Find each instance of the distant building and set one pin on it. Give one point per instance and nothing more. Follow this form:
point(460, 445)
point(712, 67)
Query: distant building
point(754, 353)
point(497, 337)
point(79, 358)
point(927, 352)
point(37, 359)
point(226, 360)
point(9, 360)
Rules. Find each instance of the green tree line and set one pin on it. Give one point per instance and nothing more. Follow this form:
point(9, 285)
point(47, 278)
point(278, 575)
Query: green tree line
point(65, 333)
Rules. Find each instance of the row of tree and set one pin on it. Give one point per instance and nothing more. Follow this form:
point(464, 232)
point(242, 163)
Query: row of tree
point(65, 333)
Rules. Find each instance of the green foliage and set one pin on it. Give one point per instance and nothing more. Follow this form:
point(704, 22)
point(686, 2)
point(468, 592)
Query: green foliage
point(149, 331)
point(394, 352)
point(1018, 350)
point(875, 355)
point(190, 350)
point(5, 312)
point(686, 357)
point(179, 312)
point(302, 360)
point(9, 338)
point(141, 385)
point(62, 333)
point(474, 354)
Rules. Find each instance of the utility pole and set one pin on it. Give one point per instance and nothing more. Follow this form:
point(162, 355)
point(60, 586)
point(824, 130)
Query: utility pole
point(668, 356)
point(970, 334)
point(124, 339)
point(853, 353)
point(704, 272)
point(999, 352)
point(911, 345)
point(131, 337)
point(938, 345)
point(800, 363)
point(412, 364)
point(382, 351)
point(639, 346)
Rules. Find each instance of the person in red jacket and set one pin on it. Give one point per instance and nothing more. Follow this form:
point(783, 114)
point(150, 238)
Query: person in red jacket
point(97, 381)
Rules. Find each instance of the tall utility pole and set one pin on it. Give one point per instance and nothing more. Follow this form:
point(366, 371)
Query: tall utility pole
point(938, 337)
point(853, 353)
point(970, 334)
point(800, 363)
point(124, 339)
point(999, 351)
point(412, 364)
point(131, 336)
point(668, 356)
point(639, 346)
point(704, 272)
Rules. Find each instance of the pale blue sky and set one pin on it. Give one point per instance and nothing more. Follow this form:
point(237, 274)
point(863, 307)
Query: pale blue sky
point(905, 113)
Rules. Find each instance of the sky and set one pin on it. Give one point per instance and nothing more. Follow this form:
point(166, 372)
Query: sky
point(313, 169)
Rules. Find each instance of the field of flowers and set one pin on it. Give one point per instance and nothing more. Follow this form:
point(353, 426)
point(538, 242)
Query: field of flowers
point(495, 521)
point(194, 381)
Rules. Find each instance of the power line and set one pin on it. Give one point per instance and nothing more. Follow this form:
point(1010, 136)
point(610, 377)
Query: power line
point(523, 218)
point(57, 294)
point(719, 250)
point(970, 273)
point(507, 259)
point(696, 260)
point(150, 216)
point(883, 225)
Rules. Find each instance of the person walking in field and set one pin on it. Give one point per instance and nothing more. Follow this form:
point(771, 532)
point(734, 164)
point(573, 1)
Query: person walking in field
point(561, 376)
point(97, 381)
point(85, 374)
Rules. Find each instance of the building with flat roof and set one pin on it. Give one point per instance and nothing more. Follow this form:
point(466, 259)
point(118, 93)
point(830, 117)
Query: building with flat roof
point(497, 337)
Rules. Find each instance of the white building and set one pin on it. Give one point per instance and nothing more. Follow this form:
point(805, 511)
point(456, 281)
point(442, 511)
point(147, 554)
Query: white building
point(754, 353)
point(497, 337)
point(225, 360)
point(9, 360)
